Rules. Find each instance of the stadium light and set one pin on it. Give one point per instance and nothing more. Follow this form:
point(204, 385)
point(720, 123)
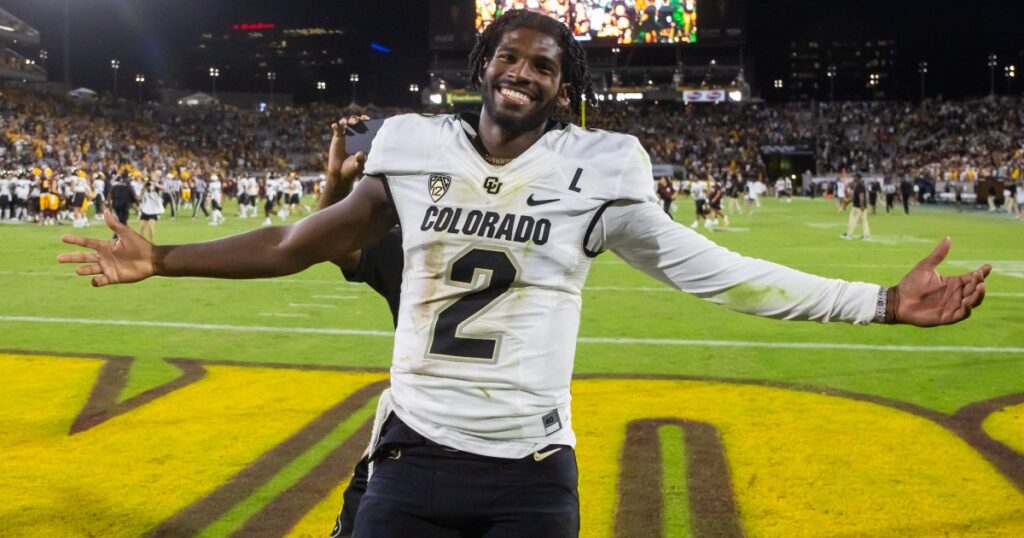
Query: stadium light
point(736, 95)
point(435, 98)
point(354, 79)
point(214, 75)
point(140, 79)
point(321, 86)
point(831, 72)
point(993, 60)
point(43, 55)
point(922, 69)
point(271, 77)
point(115, 64)
point(1010, 72)
point(778, 84)
point(873, 80)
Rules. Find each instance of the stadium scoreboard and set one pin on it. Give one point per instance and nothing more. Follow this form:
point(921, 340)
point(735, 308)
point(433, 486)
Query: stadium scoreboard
point(455, 24)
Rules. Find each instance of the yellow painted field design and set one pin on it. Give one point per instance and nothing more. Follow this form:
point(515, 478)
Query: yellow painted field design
point(125, 476)
point(799, 463)
point(1007, 427)
point(804, 464)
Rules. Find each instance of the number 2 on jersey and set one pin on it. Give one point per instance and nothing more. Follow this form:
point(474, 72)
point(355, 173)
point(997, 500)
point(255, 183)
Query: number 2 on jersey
point(500, 273)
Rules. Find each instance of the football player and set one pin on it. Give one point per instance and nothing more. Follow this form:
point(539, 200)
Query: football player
point(502, 215)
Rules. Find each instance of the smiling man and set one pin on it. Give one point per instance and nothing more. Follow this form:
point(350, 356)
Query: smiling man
point(501, 217)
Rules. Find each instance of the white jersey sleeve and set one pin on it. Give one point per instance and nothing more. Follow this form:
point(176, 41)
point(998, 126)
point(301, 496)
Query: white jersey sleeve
point(649, 240)
point(396, 149)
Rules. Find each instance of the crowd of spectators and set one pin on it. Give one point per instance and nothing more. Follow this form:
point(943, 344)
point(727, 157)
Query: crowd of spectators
point(944, 141)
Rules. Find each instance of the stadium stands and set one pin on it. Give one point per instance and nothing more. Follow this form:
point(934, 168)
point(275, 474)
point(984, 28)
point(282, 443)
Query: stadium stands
point(942, 141)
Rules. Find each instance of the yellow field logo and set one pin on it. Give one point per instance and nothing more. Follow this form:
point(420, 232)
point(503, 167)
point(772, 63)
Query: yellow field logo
point(260, 450)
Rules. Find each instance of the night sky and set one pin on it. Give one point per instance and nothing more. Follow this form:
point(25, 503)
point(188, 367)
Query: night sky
point(152, 36)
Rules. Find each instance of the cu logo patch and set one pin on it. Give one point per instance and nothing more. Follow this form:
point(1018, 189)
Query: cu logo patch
point(657, 457)
point(492, 185)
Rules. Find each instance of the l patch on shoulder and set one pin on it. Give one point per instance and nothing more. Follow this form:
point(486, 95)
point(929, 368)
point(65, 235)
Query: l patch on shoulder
point(552, 423)
point(438, 185)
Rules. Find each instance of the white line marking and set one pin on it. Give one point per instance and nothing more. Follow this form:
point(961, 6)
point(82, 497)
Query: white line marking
point(999, 294)
point(339, 297)
point(582, 339)
point(201, 326)
point(283, 315)
point(311, 305)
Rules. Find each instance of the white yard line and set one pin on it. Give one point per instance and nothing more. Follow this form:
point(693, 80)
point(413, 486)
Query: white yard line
point(311, 305)
point(337, 297)
point(582, 340)
point(283, 315)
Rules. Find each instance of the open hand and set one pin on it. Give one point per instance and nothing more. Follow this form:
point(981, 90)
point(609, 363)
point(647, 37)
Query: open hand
point(340, 165)
point(924, 298)
point(127, 258)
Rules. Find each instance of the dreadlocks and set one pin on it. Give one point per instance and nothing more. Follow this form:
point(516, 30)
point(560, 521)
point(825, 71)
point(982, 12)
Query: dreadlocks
point(575, 69)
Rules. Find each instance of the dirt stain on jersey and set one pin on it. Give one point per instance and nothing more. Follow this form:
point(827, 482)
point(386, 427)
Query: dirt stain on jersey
point(746, 296)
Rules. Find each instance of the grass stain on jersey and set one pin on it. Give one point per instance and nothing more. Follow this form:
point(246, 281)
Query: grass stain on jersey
point(486, 394)
point(745, 296)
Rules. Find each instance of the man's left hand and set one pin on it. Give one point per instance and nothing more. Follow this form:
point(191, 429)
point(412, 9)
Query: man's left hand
point(926, 299)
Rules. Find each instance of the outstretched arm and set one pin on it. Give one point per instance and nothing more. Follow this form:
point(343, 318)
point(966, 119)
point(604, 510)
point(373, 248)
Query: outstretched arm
point(648, 240)
point(325, 235)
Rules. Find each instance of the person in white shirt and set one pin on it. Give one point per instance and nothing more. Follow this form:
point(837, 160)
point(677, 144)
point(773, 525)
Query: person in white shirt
point(6, 198)
point(150, 209)
point(699, 192)
point(99, 186)
point(294, 194)
point(26, 191)
point(272, 193)
point(502, 215)
point(215, 192)
point(78, 200)
point(252, 194)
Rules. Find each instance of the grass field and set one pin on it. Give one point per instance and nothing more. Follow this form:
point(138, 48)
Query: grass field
point(750, 426)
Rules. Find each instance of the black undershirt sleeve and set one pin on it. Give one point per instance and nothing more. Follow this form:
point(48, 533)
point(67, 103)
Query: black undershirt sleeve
point(380, 267)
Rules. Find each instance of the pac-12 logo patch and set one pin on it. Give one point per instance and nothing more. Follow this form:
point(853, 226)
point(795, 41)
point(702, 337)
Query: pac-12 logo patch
point(438, 185)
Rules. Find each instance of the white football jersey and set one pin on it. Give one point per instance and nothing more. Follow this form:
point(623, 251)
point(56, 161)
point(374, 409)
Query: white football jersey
point(214, 186)
point(495, 261)
point(5, 187)
point(252, 187)
point(698, 190)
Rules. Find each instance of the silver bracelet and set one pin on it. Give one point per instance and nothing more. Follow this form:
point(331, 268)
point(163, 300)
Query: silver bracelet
point(880, 306)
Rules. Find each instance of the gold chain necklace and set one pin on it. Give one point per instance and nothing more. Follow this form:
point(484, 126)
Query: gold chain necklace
point(497, 161)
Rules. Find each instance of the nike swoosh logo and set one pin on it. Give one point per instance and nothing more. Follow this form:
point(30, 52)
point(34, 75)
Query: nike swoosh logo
point(532, 202)
point(541, 456)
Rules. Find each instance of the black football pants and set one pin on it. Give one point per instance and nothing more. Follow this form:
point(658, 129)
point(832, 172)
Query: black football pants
point(427, 490)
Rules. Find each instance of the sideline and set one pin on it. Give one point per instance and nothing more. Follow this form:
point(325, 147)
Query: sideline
point(581, 340)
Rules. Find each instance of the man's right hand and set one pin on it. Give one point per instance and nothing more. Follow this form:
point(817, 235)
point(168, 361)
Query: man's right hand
point(341, 165)
point(342, 169)
point(125, 259)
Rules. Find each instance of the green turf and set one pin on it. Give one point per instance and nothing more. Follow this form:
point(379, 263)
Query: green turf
point(675, 507)
point(803, 234)
point(233, 521)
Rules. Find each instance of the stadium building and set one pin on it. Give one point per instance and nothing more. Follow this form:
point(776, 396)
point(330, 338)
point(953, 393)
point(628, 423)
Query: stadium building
point(843, 69)
point(272, 58)
point(15, 36)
